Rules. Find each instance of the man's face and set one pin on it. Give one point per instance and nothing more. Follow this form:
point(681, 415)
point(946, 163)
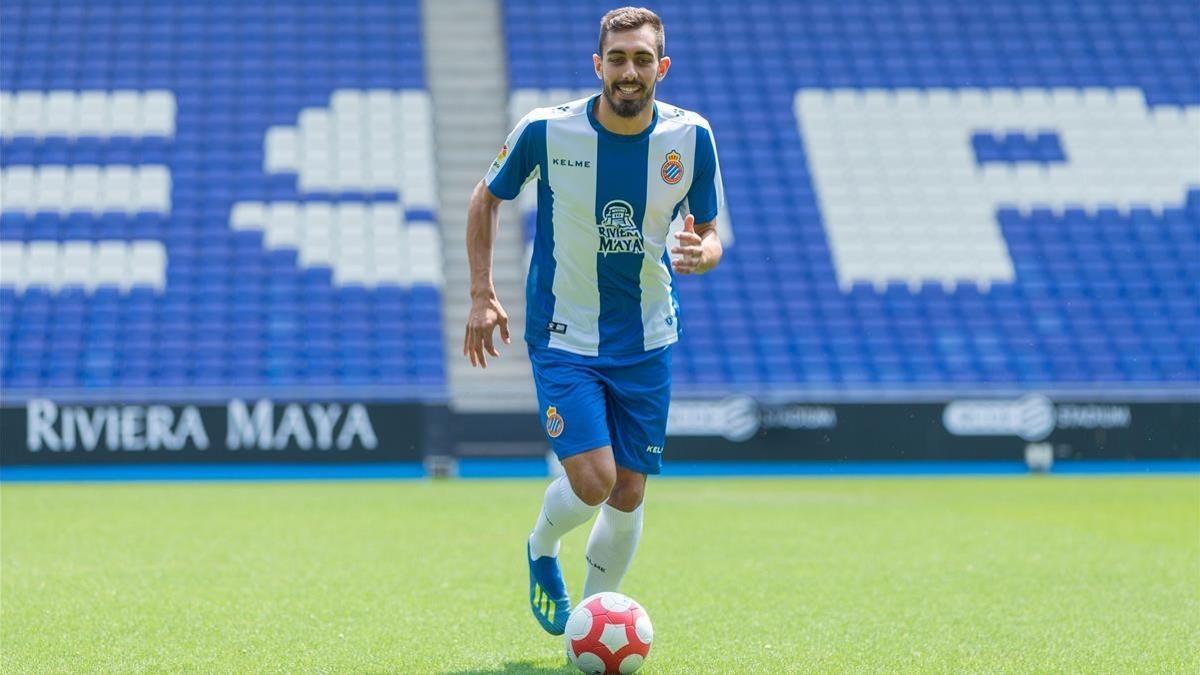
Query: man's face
point(630, 68)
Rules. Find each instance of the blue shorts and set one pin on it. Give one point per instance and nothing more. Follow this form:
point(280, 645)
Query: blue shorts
point(588, 402)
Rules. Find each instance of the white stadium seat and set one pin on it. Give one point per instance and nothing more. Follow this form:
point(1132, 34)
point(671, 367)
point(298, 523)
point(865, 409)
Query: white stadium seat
point(316, 176)
point(148, 264)
point(153, 189)
point(78, 258)
point(125, 113)
point(12, 264)
point(62, 114)
point(111, 258)
point(17, 186)
point(351, 216)
point(117, 188)
point(92, 114)
point(348, 103)
point(316, 247)
point(282, 153)
point(380, 102)
point(29, 114)
point(50, 189)
point(7, 117)
point(350, 175)
point(83, 189)
point(318, 215)
point(43, 264)
point(425, 254)
point(158, 113)
point(248, 216)
point(283, 225)
point(385, 216)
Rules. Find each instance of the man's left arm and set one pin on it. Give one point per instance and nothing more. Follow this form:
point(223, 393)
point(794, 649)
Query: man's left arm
point(699, 248)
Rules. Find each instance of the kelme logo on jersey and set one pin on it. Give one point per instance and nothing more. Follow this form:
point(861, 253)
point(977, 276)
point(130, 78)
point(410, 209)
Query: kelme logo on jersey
point(618, 232)
point(672, 169)
point(554, 422)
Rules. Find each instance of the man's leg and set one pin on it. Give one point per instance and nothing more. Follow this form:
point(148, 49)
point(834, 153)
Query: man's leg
point(570, 501)
point(615, 535)
point(573, 499)
point(573, 411)
point(637, 398)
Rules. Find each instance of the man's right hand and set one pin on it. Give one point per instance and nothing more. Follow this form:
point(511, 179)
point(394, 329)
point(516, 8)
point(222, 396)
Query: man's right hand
point(486, 315)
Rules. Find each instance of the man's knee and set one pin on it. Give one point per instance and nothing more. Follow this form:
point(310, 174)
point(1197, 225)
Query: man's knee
point(595, 486)
point(628, 491)
point(592, 476)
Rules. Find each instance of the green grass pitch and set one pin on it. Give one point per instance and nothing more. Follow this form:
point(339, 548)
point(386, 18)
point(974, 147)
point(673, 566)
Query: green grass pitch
point(819, 575)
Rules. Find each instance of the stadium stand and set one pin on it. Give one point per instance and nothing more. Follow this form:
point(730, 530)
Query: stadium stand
point(226, 195)
point(1079, 143)
point(241, 196)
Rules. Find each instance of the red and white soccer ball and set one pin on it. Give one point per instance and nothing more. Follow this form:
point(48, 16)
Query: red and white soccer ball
point(608, 633)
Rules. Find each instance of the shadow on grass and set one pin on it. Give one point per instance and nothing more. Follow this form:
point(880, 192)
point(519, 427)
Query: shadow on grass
point(518, 668)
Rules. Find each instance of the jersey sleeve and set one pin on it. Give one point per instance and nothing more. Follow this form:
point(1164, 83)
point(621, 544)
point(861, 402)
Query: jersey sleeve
point(706, 196)
point(518, 161)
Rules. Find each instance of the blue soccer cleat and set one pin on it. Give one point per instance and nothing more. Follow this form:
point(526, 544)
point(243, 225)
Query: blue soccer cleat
point(548, 593)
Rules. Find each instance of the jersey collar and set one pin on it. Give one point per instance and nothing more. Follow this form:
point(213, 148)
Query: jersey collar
point(620, 138)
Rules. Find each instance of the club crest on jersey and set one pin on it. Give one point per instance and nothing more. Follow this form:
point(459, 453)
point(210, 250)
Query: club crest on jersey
point(618, 232)
point(554, 422)
point(672, 169)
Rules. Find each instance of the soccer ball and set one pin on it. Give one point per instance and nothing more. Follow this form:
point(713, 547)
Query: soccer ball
point(608, 633)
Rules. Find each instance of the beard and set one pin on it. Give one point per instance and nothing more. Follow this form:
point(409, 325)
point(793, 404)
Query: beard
point(628, 107)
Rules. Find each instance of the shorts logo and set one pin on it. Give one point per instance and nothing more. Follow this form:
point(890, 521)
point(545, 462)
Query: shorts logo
point(500, 157)
point(672, 169)
point(554, 422)
point(654, 449)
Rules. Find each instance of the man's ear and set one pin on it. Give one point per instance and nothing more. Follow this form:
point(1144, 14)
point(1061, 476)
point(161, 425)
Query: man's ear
point(596, 66)
point(664, 64)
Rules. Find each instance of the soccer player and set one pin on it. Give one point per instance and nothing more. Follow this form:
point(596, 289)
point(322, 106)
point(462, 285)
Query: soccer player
point(613, 171)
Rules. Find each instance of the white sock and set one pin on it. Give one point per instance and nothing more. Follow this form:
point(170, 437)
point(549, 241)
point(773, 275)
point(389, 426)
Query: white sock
point(562, 512)
point(610, 548)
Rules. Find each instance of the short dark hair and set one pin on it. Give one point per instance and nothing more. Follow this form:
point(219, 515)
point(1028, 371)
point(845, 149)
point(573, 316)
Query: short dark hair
point(632, 18)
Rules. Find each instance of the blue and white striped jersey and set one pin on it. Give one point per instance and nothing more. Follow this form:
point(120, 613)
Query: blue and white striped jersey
point(600, 281)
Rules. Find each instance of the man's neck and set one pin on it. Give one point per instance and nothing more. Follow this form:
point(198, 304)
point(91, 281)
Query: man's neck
point(625, 126)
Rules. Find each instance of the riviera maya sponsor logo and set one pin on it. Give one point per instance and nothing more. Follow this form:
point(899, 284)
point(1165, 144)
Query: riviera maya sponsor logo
point(618, 232)
point(500, 157)
point(672, 169)
point(554, 422)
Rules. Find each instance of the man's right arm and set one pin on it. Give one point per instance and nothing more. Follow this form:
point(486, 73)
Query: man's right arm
point(483, 221)
point(515, 165)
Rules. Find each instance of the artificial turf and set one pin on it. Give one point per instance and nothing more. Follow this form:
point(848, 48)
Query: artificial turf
point(943, 575)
